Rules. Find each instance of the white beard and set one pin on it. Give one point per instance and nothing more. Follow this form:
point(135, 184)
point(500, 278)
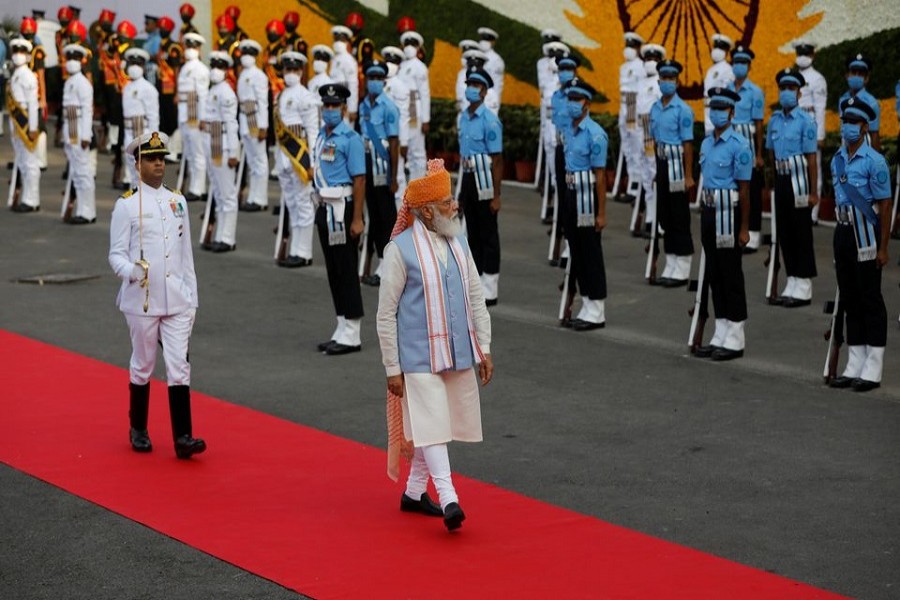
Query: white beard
point(446, 226)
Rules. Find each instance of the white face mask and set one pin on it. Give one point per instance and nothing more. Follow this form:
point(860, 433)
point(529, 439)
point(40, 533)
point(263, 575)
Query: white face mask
point(630, 53)
point(717, 55)
point(392, 68)
point(340, 47)
point(650, 67)
point(73, 66)
point(485, 45)
point(216, 75)
point(191, 54)
point(248, 61)
point(410, 51)
point(291, 79)
point(319, 66)
point(804, 62)
point(19, 59)
point(133, 71)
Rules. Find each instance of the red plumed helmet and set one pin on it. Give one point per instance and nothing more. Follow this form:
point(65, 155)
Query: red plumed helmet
point(225, 22)
point(405, 24)
point(64, 15)
point(166, 24)
point(28, 26)
point(186, 10)
point(126, 29)
point(355, 21)
point(77, 29)
point(234, 12)
point(291, 19)
point(275, 26)
point(107, 16)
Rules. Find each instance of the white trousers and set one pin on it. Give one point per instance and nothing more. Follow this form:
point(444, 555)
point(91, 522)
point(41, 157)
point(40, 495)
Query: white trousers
point(258, 166)
point(222, 185)
point(194, 149)
point(633, 149)
point(648, 181)
point(175, 333)
point(29, 170)
point(296, 194)
point(82, 173)
point(415, 153)
point(433, 461)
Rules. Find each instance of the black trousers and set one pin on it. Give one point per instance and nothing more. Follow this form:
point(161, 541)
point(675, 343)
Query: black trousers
point(168, 113)
point(342, 264)
point(586, 250)
point(860, 286)
point(724, 271)
point(561, 187)
point(481, 224)
point(795, 235)
point(756, 200)
point(382, 212)
point(673, 214)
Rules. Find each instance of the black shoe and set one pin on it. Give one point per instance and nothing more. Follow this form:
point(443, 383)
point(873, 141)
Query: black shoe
point(453, 516)
point(250, 207)
point(749, 250)
point(24, 208)
point(424, 505)
point(276, 210)
point(219, 247)
point(187, 446)
point(491, 302)
point(841, 382)
point(294, 262)
point(672, 283)
point(140, 440)
point(336, 349)
point(80, 221)
point(705, 351)
point(326, 345)
point(582, 325)
point(192, 197)
point(563, 262)
point(661, 281)
point(554, 262)
point(565, 323)
point(720, 354)
point(777, 301)
point(795, 302)
point(862, 385)
point(373, 280)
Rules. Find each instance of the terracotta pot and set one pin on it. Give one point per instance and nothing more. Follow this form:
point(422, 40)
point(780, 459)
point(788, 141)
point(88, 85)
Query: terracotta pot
point(509, 170)
point(525, 170)
point(826, 208)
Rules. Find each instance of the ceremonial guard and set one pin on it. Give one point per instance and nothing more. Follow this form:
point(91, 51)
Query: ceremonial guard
point(140, 103)
point(549, 135)
point(78, 133)
point(340, 181)
point(476, 59)
point(791, 141)
point(322, 56)
point(220, 127)
point(344, 68)
point(227, 42)
point(858, 69)
point(481, 151)
point(234, 13)
point(65, 16)
point(414, 73)
point(153, 40)
point(431, 351)
point(718, 75)
point(193, 86)
point(115, 50)
point(294, 41)
point(813, 99)
point(37, 64)
point(748, 121)
point(464, 47)
point(726, 164)
point(496, 68)
point(275, 45)
point(647, 96)
point(631, 76)
point(186, 12)
point(168, 61)
point(862, 191)
point(566, 66)
point(584, 203)
point(672, 125)
point(379, 120)
point(150, 251)
point(296, 120)
point(253, 95)
point(397, 90)
point(546, 64)
point(23, 106)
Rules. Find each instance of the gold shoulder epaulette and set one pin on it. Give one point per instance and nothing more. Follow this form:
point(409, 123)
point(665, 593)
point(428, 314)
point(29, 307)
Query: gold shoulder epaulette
point(173, 190)
point(129, 193)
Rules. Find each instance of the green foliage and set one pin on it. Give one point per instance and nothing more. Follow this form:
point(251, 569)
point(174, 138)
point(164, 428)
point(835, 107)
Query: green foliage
point(882, 48)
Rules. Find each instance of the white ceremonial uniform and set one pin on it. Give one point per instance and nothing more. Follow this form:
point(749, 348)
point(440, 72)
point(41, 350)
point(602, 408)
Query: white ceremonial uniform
point(813, 99)
point(414, 74)
point(253, 95)
point(221, 106)
point(718, 75)
point(78, 93)
point(496, 68)
point(24, 88)
point(648, 94)
point(547, 74)
point(549, 135)
point(631, 78)
point(317, 81)
point(140, 111)
point(344, 70)
point(298, 106)
point(491, 99)
point(397, 90)
point(172, 280)
point(193, 78)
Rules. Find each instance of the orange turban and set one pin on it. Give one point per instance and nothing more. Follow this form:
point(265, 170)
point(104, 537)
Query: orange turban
point(434, 187)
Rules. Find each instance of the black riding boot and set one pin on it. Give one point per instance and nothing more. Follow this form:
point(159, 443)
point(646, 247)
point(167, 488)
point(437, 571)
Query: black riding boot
point(137, 415)
point(180, 412)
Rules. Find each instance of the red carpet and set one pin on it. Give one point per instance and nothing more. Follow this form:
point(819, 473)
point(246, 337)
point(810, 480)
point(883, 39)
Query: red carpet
point(290, 512)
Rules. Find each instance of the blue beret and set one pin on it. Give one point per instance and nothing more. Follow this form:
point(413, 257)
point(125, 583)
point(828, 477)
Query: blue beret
point(479, 75)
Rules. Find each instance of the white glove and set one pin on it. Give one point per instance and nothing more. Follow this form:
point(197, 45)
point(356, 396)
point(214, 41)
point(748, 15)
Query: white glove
point(137, 272)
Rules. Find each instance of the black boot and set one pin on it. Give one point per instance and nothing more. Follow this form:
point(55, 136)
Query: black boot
point(180, 412)
point(137, 416)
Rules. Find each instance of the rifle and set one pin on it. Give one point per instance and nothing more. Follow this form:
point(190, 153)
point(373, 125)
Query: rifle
point(283, 234)
point(181, 167)
point(652, 250)
point(555, 241)
point(772, 262)
point(545, 197)
point(209, 222)
point(895, 231)
point(834, 336)
point(619, 165)
point(700, 311)
point(68, 203)
point(568, 295)
point(541, 158)
point(365, 259)
point(13, 199)
point(239, 177)
point(637, 223)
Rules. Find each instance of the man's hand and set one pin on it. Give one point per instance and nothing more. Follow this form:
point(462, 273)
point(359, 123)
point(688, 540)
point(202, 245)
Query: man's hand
point(688, 182)
point(356, 228)
point(813, 199)
point(820, 144)
point(881, 258)
point(495, 205)
point(85, 144)
point(744, 236)
point(425, 128)
point(395, 384)
point(394, 186)
point(760, 162)
point(261, 135)
point(599, 222)
point(33, 135)
point(351, 117)
point(486, 370)
point(232, 163)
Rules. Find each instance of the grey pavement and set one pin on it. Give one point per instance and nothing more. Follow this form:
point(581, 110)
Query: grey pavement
point(753, 460)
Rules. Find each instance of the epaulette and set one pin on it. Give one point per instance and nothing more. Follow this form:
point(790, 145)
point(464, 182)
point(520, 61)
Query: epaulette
point(129, 193)
point(174, 191)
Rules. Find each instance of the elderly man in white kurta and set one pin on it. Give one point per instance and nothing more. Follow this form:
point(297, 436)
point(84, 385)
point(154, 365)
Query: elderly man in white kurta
point(435, 332)
point(140, 105)
point(150, 251)
point(22, 90)
point(78, 117)
point(253, 96)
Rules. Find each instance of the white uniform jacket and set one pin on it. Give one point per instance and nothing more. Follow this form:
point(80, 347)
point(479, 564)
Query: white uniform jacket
point(344, 71)
point(631, 74)
point(415, 75)
point(79, 92)
point(814, 98)
point(24, 87)
point(253, 88)
point(298, 106)
point(141, 99)
point(192, 77)
point(398, 91)
point(221, 105)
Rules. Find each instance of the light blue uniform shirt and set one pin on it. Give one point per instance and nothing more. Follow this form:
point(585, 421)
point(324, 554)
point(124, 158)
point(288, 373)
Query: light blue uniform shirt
point(586, 146)
point(791, 134)
point(340, 156)
point(867, 171)
point(383, 114)
point(561, 118)
point(672, 124)
point(869, 99)
point(480, 133)
point(152, 43)
point(725, 161)
point(750, 107)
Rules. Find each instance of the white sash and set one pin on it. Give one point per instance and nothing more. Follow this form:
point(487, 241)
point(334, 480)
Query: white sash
point(723, 202)
point(480, 165)
point(380, 166)
point(674, 156)
point(583, 183)
point(864, 232)
point(795, 167)
point(747, 130)
point(335, 201)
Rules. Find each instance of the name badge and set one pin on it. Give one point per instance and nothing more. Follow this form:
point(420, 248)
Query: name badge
point(328, 153)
